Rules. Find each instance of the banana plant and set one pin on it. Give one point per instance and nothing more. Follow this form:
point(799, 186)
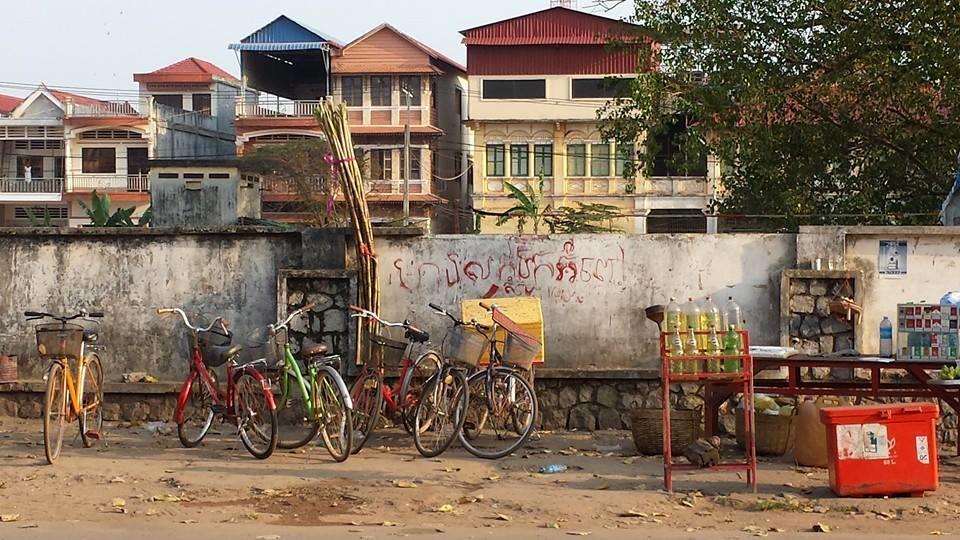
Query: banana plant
point(99, 213)
point(527, 207)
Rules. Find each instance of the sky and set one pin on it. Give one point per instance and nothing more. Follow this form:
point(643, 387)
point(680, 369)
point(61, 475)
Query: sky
point(100, 44)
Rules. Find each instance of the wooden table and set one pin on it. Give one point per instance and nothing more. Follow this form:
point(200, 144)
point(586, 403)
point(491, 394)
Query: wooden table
point(917, 384)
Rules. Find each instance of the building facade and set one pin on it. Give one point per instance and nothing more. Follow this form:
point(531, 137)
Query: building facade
point(536, 84)
point(387, 79)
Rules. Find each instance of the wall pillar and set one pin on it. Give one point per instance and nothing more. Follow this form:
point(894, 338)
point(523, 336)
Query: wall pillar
point(712, 224)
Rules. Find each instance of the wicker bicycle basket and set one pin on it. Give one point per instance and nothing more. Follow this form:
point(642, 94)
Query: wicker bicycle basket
point(57, 340)
point(465, 345)
point(386, 350)
point(520, 351)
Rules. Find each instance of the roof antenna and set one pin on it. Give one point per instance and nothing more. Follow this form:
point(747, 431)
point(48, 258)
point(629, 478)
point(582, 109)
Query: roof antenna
point(569, 4)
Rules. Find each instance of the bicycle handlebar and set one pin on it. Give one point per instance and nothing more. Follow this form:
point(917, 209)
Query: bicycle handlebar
point(367, 314)
point(186, 321)
point(82, 314)
point(459, 322)
point(279, 325)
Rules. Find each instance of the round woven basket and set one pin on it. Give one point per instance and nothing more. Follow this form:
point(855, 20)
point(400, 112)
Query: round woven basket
point(647, 428)
point(774, 433)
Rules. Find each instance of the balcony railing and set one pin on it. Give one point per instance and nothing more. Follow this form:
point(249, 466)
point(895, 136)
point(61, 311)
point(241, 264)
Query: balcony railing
point(276, 108)
point(39, 189)
point(101, 109)
point(109, 183)
point(288, 186)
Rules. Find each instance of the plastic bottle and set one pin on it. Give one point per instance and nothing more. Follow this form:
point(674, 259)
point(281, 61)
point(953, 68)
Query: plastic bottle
point(709, 316)
point(673, 316)
point(676, 351)
point(886, 338)
point(692, 313)
point(732, 314)
point(691, 348)
point(552, 468)
point(713, 349)
point(731, 347)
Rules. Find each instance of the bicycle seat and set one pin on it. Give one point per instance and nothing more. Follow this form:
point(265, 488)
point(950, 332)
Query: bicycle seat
point(218, 355)
point(315, 350)
point(417, 336)
point(90, 335)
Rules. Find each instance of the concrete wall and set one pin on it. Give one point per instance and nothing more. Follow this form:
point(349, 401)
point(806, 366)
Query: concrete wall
point(179, 134)
point(128, 274)
point(593, 288)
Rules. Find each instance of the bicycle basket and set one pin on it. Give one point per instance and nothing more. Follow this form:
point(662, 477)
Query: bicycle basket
point(55, 340)
point(262, 344)
point(385, 350)
point(465, 345)
point(520, 350)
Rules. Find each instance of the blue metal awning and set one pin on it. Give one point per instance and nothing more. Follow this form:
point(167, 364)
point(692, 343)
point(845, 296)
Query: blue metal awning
point(285, 34)
point(323, 46)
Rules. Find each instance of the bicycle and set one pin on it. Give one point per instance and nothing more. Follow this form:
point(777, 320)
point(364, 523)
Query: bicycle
point(369, 393)
point(247, 402)
point(442, 405)
point(502, 403)
point(313, 397)
point(61, 342)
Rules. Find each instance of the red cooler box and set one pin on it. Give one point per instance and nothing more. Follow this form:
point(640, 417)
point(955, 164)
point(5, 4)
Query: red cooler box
point(882, 449)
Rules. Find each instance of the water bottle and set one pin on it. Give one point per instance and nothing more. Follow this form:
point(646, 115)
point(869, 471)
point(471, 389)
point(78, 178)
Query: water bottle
point(552, 468)
point(732, 315)
point(886, 338)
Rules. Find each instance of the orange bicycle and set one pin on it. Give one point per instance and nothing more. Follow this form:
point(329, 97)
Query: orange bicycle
point(62, 342)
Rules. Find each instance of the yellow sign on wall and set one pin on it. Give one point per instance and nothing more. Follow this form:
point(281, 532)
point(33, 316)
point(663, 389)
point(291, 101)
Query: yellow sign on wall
point(523, 310)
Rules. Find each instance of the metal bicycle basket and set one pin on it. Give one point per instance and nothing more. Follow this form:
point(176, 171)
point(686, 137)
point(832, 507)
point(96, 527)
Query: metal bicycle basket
point(387, 347)
point(521, 350)
point(465, 345)
point(55, 340)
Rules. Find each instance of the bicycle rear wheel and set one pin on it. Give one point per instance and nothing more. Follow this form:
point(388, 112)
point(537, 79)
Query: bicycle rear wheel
point(440, 412)
point(195, 415)
point(412, 385)
point(508, 400)
point(256, 420)
point(367, 395)
point(296, 421)
point(54, 412)
point(333, 415)
point(91, 417)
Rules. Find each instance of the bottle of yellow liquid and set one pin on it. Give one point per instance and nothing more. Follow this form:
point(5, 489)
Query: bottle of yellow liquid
point(709, 316)
point(713, 349)
point(673, 316)
point(691, 348)
point(676, 352)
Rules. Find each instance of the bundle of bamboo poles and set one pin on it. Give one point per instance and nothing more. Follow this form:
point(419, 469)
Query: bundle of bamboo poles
point(332, 117)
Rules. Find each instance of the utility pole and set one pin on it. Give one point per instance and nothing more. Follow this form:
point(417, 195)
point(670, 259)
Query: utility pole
point(406, 158)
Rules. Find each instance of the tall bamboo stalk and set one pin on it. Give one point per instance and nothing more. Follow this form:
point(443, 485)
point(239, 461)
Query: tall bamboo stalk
point(332, 118)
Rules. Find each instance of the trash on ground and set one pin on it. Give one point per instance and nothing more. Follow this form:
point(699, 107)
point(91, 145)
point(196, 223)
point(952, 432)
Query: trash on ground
point(139, 377)
point(553, 468)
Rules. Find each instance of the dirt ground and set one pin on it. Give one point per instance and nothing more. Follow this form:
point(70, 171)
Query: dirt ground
point(145, 484)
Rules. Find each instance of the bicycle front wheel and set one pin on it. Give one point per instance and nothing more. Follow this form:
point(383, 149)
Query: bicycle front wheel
point(367, 395)
point(91, 415)
point(256, 419)
point(296, 418)
point(54, 412)
point(333, 415)
point(195, 414)
point(440, 412)
point(412, 385)
point(508, 406)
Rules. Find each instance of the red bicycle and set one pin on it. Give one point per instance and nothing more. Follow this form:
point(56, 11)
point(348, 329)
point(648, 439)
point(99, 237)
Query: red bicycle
point(369, 393)
point(247, 402)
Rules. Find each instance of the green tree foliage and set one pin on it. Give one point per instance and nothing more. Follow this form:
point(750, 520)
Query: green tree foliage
point(100, 216)
point(835, 108)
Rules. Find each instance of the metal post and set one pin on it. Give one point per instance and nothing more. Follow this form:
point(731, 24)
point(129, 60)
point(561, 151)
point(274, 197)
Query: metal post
point(406, 158)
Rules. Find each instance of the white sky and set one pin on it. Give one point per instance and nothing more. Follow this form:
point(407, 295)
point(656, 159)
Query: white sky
point(102, 43)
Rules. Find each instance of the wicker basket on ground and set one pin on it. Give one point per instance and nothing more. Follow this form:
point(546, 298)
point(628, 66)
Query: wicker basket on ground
point(774, 433)
point(647, 428)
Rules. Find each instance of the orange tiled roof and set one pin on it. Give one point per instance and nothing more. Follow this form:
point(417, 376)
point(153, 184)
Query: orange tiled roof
point(187, 70)
point(8, 103)
point(76, 98)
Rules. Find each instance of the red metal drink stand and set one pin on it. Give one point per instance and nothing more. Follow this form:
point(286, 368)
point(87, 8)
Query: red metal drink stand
point(742, 378)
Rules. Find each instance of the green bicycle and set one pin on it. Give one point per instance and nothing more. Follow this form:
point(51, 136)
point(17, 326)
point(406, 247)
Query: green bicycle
point(313, 397)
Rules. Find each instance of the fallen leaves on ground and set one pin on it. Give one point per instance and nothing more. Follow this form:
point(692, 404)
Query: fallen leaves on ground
point(9, 518)
point(269, 537)
point(551, 525)
point(404, 484)
point(117, 480)
point(117, 502)
point(166, 497)
point(579, 533)
point(470, 499)
point(822, 528)
point(445, 509)
point(502, 517)
point(188, 521)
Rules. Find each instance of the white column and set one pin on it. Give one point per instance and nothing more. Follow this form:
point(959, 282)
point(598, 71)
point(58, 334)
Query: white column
point(711, 224)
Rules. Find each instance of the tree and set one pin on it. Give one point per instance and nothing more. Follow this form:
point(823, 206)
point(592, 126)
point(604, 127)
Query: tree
point(100, 216)
point(299, 168)
point(842, 109)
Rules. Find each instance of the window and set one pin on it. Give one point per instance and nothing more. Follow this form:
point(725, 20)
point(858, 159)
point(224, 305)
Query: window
point(381, 164)
point(576, 160)
point(519, 160)
point(515, 89)
point(351, 89)
point(543, 160)
point(99, 160)
point(600, 159)
point(170, 100)
point(59, 167)
point(169, 175)
point(201, 103)
point(35, 163)
point(459, 96)
point(433, 95)
point(219, 176)
point(410, 83)
point(625, 156)
point(55, 212)
point(381, 90)
point(599, 88)
point(137, 161)
point(495, 160)
point(672, 159)
point(193, 175)
point(414, 164)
